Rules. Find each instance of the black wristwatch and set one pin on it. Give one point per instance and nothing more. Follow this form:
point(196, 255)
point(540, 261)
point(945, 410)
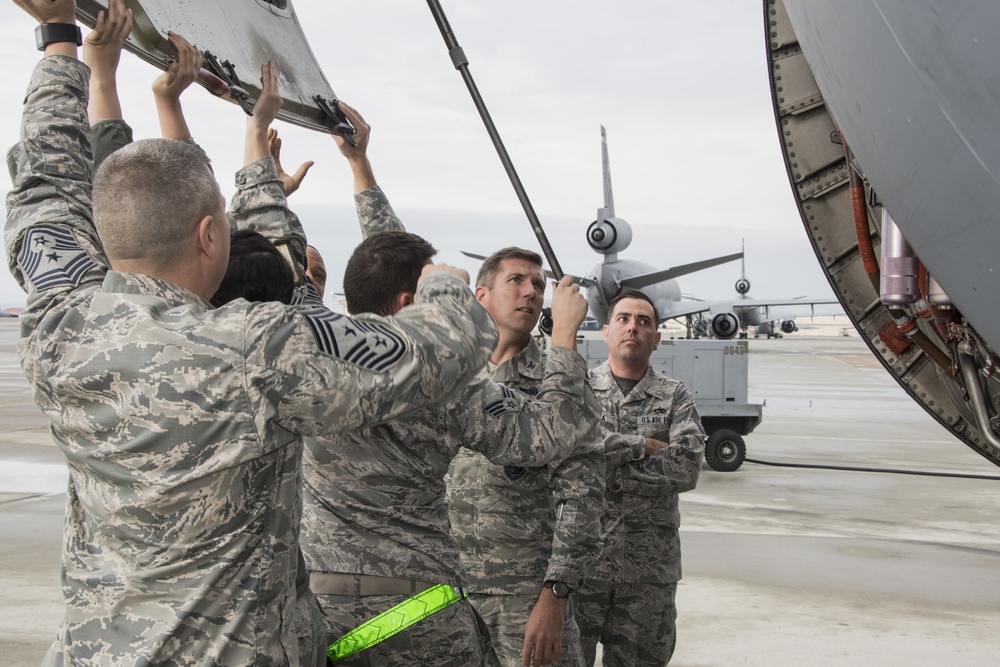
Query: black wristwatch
point(53, 33)
point(559, 588)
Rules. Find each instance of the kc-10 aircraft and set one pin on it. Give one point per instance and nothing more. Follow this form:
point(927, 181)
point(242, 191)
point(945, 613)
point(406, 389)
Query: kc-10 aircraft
point(887, 116)
point(761, 315)
point(609, 235)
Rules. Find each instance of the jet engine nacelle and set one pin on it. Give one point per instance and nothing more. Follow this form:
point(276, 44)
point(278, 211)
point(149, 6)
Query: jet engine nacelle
point(742, 286)
point(789, 326)
point(725, 325)
point(609, 236)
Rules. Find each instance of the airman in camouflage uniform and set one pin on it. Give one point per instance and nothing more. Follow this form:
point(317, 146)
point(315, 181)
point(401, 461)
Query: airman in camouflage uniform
point(523, 531)
point(654, 448)
point(375, 524)
point(180, 423)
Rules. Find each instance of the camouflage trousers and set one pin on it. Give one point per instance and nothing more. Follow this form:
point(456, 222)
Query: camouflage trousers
point(306, 621)
point(452, 637)
point(506, 617)
point(635, 623)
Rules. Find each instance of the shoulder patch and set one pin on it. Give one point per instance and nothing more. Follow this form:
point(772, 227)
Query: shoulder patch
point(506, 404)
point(50, 257)
point(513, 473)
point(367, 344)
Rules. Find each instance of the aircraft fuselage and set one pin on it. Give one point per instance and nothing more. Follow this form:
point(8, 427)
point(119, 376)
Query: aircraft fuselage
point(608, 276)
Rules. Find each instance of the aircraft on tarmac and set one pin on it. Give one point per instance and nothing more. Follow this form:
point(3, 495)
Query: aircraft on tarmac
point(886, 120)
point(760, 315)
point(609, 235)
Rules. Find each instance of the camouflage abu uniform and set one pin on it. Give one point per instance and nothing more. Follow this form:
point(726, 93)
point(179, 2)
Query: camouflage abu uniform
point(627, 602)
point(375, 499)
point(263, 192)
point(180, 422)
point(519, 527)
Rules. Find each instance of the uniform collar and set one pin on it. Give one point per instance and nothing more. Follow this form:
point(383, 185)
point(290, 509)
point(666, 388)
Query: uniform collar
point(528, 363)
point(117, 282)
point(602, 379)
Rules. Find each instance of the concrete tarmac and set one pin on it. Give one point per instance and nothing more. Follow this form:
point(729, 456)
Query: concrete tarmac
point(782, 566)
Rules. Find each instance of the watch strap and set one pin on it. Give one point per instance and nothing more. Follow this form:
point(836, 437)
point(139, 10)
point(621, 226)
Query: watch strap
point(53, 33)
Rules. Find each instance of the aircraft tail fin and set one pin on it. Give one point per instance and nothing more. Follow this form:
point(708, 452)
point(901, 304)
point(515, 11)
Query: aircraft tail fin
point(609, 201)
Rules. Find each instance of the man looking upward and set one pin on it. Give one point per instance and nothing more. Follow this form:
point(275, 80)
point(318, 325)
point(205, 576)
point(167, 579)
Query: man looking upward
point(528, 535)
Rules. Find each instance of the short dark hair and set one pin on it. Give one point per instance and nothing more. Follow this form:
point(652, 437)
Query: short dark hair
point(629, 293)
point(491, 266)
point(381, 267)
point(257, 271)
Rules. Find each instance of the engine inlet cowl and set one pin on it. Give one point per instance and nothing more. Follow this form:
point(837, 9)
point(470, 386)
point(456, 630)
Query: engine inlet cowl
point(725, 325)
point(609, 236)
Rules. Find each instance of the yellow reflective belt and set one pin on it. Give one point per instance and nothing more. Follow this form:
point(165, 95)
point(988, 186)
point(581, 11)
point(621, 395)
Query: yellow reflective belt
point(411, 610)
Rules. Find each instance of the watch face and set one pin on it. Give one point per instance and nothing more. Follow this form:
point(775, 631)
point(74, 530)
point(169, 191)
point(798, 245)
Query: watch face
point(560, 589)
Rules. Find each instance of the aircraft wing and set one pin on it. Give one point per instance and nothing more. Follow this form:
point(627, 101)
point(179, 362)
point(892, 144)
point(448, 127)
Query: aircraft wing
point(678, 309)
point(235, 37)
point(646, 279)
point(684, 308)
point(769, 303)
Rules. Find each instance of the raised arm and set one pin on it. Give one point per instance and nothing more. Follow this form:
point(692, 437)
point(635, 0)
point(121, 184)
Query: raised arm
point(374, 211)
point(102, 52)
point(260, 203)
point(329, 373)
point(167, 89)
point(552, 426)
point(52, 247)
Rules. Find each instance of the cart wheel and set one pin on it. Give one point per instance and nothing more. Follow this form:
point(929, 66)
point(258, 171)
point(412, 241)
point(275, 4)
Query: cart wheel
point(725, 450)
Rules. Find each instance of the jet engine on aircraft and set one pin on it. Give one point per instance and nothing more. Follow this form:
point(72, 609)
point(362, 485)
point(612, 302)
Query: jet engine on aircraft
point(725, 325)
point(742, 286)
point(789, 326)
point(609, 236)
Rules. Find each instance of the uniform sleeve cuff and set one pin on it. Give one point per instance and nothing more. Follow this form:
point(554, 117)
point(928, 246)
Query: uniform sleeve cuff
point(257, 173)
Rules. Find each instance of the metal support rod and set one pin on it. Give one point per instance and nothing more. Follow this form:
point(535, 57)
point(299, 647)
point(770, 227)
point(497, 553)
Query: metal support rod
point(462, 65)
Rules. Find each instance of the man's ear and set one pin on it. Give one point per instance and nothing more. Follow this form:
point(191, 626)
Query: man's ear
point(403, 299)
point(481, 294)
point(206, 236)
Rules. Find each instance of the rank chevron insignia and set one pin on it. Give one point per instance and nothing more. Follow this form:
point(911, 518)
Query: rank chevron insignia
point(370, 345)
point(51, 257)
point(506, 404)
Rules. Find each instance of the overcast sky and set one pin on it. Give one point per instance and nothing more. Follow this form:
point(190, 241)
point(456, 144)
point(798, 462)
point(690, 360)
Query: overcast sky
point(682, 89)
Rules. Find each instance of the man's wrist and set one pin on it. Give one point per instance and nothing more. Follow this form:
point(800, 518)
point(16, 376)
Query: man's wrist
point(559, 589)
point(565, 339)
point(57, 32)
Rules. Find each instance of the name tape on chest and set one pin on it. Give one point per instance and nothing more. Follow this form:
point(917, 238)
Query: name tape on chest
point(370, 345)
point(50, 257)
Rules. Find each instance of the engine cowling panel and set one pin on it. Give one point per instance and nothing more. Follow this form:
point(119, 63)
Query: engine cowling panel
point(725, 325)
